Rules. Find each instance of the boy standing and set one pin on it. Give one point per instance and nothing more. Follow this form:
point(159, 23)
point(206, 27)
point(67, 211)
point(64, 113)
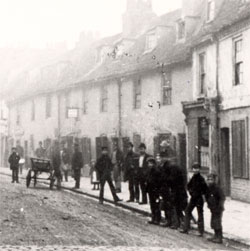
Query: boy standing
point(215, 201)
point(14, 163)
point(197, 188)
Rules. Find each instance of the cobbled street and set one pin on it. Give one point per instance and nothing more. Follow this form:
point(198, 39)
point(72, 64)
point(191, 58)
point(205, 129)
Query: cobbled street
point(41, 219)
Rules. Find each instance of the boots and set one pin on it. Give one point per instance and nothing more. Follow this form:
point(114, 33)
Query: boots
point(218, 237)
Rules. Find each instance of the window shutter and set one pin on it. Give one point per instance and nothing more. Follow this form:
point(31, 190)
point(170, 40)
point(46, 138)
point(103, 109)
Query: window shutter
point(156, 145)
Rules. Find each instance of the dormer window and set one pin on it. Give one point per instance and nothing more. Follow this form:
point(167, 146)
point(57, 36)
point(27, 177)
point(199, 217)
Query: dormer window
point(210, 10)
point(181, 29)
point(151, 41)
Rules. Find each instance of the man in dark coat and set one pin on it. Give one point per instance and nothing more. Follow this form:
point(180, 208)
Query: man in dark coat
point(153, 186)
point(178, 194)
point(117, 161)
point(143, 172)
point(14, 164)
point(56, 163)
point(105, 167)
point(131, 173)
point(197, 188)
point(77, 165)
point(215, 200)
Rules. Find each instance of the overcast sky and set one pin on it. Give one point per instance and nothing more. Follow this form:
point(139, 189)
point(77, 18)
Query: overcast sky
point(39, 22)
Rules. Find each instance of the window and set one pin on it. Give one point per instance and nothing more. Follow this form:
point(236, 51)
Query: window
point(238, 62)
point(166, 88)
point(137, 94)
point(48, 106)
point(66, 103)
point(33, 110)
point(17, 117)
point(84, 103)
point(181, 29)
point(104, 99)
point(151, 41)
point(202, 73)
point(203, 131)
point(210, 10)
point(239, 149)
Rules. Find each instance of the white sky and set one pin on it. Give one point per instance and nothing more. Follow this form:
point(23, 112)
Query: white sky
point(36, 23)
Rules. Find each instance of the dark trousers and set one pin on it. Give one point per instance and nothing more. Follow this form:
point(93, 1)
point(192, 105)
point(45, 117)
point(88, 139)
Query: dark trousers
point(142, 184)
point(133, 187)
point(111, 186)
point(168, 207)
point(155, 206)
point(15, 175)
point(77, 175)
point(198, 203)
point(216, 220)
point(65, 173)
point(21, 168)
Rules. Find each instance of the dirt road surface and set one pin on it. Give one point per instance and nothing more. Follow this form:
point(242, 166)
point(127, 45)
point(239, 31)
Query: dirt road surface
point(41, 219)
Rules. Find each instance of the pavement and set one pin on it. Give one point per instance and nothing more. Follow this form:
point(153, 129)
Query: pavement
point(236, 225)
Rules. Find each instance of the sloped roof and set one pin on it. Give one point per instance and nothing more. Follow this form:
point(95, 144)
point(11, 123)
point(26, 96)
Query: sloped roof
point(231, 12)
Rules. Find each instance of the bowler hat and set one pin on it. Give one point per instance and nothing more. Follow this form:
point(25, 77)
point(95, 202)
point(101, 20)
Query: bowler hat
point(142, 145)
point(196, 165)
point(151, 160)
point(104, 148)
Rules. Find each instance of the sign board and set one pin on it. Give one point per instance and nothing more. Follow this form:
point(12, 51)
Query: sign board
point(72, 113)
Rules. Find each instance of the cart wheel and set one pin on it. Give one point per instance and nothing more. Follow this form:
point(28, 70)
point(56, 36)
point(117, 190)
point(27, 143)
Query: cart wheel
point(28, 179)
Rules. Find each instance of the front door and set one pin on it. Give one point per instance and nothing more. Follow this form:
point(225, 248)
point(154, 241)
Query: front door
point(225, 173)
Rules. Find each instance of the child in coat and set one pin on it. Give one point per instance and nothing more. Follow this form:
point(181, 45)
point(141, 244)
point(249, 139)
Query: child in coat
point(95, 180)
point(215, 200)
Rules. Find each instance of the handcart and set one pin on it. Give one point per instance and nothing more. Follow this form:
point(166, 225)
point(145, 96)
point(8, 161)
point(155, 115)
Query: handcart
point(39, 166)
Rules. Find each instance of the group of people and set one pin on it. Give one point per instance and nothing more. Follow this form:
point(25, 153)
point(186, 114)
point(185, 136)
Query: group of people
point(160, 179)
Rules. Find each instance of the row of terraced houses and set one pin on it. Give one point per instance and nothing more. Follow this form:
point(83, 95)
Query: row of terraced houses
point(183, 76)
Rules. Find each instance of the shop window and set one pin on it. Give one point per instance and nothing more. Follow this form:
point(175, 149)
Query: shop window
point(239, 149)
point(204, 143)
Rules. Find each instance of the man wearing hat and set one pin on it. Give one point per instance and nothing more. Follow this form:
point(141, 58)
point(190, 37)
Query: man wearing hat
point(197, 188)
point(14, 163)
point(105, 167)
point(131, 169)
point(215, 200)
point(77, 164)
point(153, 186)
point(117, 161)
point(143, 172)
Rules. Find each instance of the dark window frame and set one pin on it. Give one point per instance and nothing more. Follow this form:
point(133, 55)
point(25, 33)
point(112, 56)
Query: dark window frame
point(238, 61)
point(202, 73)
point(137, 94)
point(167, 88)
point(104, 98)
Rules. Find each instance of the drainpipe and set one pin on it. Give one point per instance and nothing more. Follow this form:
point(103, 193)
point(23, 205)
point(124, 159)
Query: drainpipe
point(59, 116)
point(119, 83)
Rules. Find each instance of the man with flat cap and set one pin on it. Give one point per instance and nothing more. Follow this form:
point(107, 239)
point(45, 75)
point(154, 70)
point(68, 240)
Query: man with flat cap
point(14, 164)
point(105, 167)
point(131, 173)
point(77, 164)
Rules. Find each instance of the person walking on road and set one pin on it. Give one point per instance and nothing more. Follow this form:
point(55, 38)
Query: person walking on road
point(143, 172)
point(20, 152)
point(117, 161)
point(215, 200)
point(105, 167)
point(130, 175)
point(197, 188)
point(77, 165)
point(14, 164)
